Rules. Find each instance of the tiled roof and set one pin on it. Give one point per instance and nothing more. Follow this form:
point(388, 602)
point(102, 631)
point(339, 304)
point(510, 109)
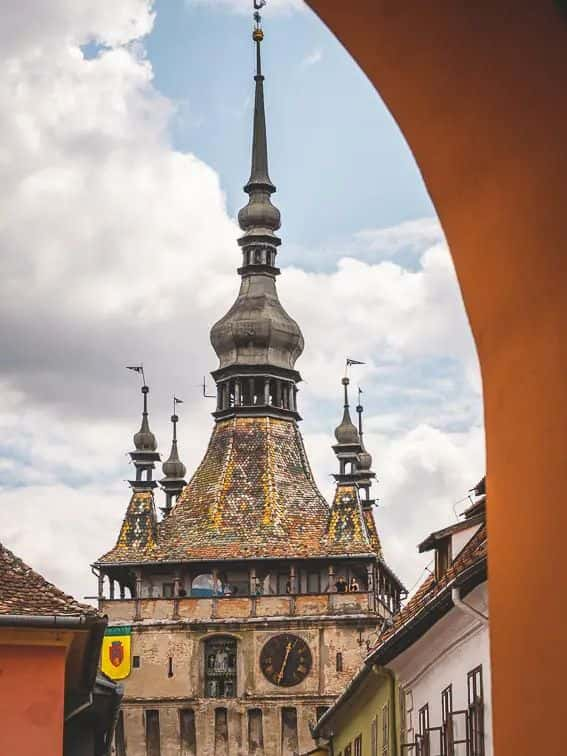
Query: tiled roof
point(139, 531)
point(252, 496)
point(375, 544)
point(348, 529)
point(23, 591)
point(475, 551)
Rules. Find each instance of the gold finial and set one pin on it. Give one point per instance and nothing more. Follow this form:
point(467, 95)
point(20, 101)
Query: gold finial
point(257, 34)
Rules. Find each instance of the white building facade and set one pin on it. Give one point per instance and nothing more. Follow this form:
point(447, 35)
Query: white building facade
point(439, 648)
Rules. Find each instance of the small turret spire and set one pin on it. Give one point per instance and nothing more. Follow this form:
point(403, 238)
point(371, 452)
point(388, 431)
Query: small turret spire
point(346, 432)
point(145, 444)
point(173, 468)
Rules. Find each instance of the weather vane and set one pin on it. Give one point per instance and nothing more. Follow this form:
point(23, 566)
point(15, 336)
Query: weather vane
point(349, 362)
point(138, 369)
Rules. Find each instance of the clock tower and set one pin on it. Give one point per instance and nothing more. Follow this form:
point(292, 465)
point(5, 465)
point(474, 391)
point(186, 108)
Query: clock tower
point(246, 608)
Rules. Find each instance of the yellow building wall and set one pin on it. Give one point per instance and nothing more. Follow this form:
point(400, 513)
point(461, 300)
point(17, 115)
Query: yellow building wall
point(377, 698)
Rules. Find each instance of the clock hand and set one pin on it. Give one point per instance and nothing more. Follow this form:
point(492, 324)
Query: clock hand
point(288, 648)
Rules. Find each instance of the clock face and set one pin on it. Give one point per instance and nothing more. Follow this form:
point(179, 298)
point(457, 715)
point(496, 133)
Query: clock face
point(285, 660)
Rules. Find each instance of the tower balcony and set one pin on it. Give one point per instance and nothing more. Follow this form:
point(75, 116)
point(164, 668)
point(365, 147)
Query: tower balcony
point(243, 608)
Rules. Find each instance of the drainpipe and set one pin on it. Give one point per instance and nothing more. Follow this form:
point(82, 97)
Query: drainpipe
point(458, 603)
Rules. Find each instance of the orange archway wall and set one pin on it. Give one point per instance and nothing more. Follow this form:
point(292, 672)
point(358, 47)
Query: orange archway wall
point(479, 90)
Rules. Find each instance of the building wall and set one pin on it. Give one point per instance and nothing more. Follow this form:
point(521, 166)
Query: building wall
point(263, 718)
point(375, 699)
point(454, 646)
point(32, 690)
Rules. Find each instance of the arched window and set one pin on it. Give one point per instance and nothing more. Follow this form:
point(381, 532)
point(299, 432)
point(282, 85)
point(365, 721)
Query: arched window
point(204, 585)
point(220, 667)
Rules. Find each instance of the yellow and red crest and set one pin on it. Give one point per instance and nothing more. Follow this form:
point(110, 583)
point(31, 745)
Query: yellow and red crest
point(116, 648)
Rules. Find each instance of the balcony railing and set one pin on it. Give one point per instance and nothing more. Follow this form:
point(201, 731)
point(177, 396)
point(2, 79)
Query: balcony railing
point(240, 607)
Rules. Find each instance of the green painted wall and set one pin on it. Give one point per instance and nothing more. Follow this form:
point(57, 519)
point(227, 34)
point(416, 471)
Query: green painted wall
point(355, 717)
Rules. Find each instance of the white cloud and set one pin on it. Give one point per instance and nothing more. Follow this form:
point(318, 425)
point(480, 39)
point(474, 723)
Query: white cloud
point(245, 6)
point(410, 235)
point(116, 248)
point(314, 57)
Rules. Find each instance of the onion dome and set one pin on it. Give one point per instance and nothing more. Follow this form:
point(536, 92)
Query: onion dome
point(346, 432)
point(173, 467)
point(144, 439)
point(257, 330)
point(364, 460)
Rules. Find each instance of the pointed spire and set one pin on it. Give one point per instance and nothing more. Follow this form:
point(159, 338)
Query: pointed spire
point(145, 446)
point(259, 218)
point(346, 432)
point(173, 468)
point(144, 439)
point(364, 458)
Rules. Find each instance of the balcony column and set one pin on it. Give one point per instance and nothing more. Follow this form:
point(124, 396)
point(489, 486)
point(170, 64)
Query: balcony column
point(111, 581)
point(176, 581)
point(237, 393)
point(138, 594)
point(331, 586)
point(293, 580)
point(251, 390)
point(100, 589)
point(266, 391)
point(370, 580)
point(252, 581)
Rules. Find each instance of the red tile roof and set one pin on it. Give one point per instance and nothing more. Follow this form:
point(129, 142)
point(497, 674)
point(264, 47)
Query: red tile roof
point(474, 552)
point(252, 496)
point(23, 591)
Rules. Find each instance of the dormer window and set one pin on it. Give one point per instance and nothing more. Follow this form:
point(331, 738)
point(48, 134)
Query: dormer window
point(442, 557)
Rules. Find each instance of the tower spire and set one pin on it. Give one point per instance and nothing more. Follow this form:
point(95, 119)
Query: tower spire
point(173, 468)
point(259, 219)
point(145, 452)
point(257, 342)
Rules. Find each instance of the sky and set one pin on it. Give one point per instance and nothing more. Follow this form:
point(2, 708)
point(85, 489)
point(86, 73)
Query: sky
point(126, 142)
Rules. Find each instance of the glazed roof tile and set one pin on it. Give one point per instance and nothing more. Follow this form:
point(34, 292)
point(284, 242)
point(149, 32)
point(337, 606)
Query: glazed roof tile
point(252, 496)
point(475, 551)
point(349, 530)
point(25, 592)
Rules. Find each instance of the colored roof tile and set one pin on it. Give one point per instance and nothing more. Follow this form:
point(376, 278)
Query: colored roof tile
point(25, 592)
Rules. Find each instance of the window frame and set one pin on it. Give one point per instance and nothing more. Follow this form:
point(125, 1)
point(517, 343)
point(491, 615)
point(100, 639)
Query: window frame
point(211, 674)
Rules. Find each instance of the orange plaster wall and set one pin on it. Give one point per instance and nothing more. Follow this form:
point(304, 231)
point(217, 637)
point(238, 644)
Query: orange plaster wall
point(32, 680)
point(479, 91)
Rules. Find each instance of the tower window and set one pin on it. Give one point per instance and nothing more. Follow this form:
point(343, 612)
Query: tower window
point(220, 668)
point(135, 662)
point(167, 590)
point(339, 662)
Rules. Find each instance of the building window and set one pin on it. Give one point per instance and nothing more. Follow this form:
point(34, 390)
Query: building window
point(167, 590)
point(170, 667)
point(385, 730)
point(476, 711)
point(374, 737)
point(135, 662)
point(348, 750)
point(320, 710)
point(424, 719)
point(358, 746)
point(153, 747)
point(220, 667)
point(446, 704)
point(422, 739)
point(339, 662)
point(403, 715)
point(442, 557)
point(313, 582)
